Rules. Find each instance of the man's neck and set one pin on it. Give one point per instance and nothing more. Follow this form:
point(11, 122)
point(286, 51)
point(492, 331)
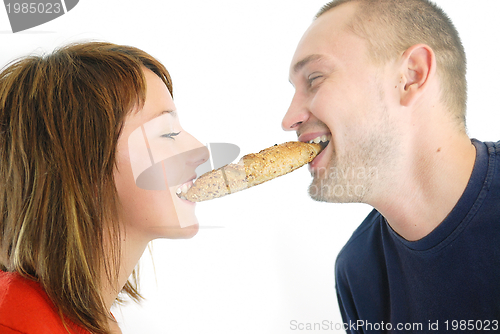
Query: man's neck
point(429, 182)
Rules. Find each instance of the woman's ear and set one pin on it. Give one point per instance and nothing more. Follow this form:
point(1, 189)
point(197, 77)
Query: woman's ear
point(418, 67)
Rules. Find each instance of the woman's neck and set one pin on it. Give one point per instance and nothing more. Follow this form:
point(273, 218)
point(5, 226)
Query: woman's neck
point(131, 250)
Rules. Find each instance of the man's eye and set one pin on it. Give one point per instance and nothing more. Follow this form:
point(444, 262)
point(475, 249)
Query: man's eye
point(170, 135)
point(313, 77)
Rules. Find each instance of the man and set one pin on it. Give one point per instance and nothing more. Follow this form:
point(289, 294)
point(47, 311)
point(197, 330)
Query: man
point(383, 83)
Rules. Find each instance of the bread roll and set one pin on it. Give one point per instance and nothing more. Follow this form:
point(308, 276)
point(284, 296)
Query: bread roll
point(251, 170)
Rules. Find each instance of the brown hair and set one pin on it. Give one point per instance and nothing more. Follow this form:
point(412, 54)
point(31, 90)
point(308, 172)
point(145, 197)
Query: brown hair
point(60, 119)
point(392, 26)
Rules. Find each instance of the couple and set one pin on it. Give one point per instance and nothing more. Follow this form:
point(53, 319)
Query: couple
point(384, 81)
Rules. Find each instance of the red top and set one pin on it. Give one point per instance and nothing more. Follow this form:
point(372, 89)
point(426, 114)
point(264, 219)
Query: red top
point(26, 308)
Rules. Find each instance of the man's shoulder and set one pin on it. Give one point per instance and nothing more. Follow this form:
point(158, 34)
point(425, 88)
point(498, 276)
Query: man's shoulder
point(491, 151)
point(25, 307)
point(493, 148)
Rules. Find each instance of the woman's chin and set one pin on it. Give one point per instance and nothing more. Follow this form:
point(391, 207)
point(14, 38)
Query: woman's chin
point(189, 231)
point(183, 231)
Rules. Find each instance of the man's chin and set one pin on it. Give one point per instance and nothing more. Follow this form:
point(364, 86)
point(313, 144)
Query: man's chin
point(319, 193)
point(333, 192)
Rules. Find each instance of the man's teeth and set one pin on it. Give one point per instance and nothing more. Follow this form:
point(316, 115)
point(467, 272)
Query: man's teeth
point(320, 139)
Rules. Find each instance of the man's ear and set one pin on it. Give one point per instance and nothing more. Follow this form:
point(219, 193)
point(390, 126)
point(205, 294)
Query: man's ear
point(418, 67)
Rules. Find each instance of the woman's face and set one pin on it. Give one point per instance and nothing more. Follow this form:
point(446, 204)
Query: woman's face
point(155, 157)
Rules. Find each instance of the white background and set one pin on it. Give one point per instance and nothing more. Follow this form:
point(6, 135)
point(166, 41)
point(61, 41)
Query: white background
point(272, 259)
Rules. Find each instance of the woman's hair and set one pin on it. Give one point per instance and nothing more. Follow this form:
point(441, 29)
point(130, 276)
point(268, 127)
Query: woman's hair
point(60, 119)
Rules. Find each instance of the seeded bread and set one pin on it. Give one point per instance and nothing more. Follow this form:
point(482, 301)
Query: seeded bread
point(251, 170)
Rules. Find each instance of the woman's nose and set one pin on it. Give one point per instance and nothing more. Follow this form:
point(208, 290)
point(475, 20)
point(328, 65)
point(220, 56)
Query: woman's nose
point(201, 156)
point(198, 154)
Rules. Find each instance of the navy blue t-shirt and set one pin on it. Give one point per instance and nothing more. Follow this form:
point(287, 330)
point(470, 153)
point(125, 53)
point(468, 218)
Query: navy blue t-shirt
point(448, 281)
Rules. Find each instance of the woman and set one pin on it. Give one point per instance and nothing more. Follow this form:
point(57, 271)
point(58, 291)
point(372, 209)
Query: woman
point(74, 221)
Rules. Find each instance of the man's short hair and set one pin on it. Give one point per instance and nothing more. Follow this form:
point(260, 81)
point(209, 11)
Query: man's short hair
point(392, 26)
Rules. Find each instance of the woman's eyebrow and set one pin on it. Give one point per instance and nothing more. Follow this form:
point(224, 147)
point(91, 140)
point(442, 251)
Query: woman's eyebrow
point(168, 111)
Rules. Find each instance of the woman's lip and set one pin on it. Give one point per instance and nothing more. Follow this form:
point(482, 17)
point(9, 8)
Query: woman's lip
point(183, 200)
point(186, 201)
point(186, 185)
point(189, 183)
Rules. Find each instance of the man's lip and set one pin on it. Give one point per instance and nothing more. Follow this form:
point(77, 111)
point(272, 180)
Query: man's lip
point(318, 159)
point(306, 137)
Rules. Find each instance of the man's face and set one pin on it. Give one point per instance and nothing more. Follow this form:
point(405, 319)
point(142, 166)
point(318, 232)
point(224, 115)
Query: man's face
point(341, 96)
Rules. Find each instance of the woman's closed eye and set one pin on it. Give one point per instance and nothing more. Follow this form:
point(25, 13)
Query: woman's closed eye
point(170, 135)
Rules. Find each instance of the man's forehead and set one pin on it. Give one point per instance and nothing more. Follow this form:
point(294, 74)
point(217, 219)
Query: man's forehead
point(323, 36)
point(315, 46)
point(310, 48)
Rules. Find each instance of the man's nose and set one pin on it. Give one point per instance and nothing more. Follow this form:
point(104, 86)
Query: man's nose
point(296, 115)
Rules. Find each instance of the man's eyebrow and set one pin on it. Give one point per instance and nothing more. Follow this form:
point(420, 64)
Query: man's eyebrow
point(300, 64)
